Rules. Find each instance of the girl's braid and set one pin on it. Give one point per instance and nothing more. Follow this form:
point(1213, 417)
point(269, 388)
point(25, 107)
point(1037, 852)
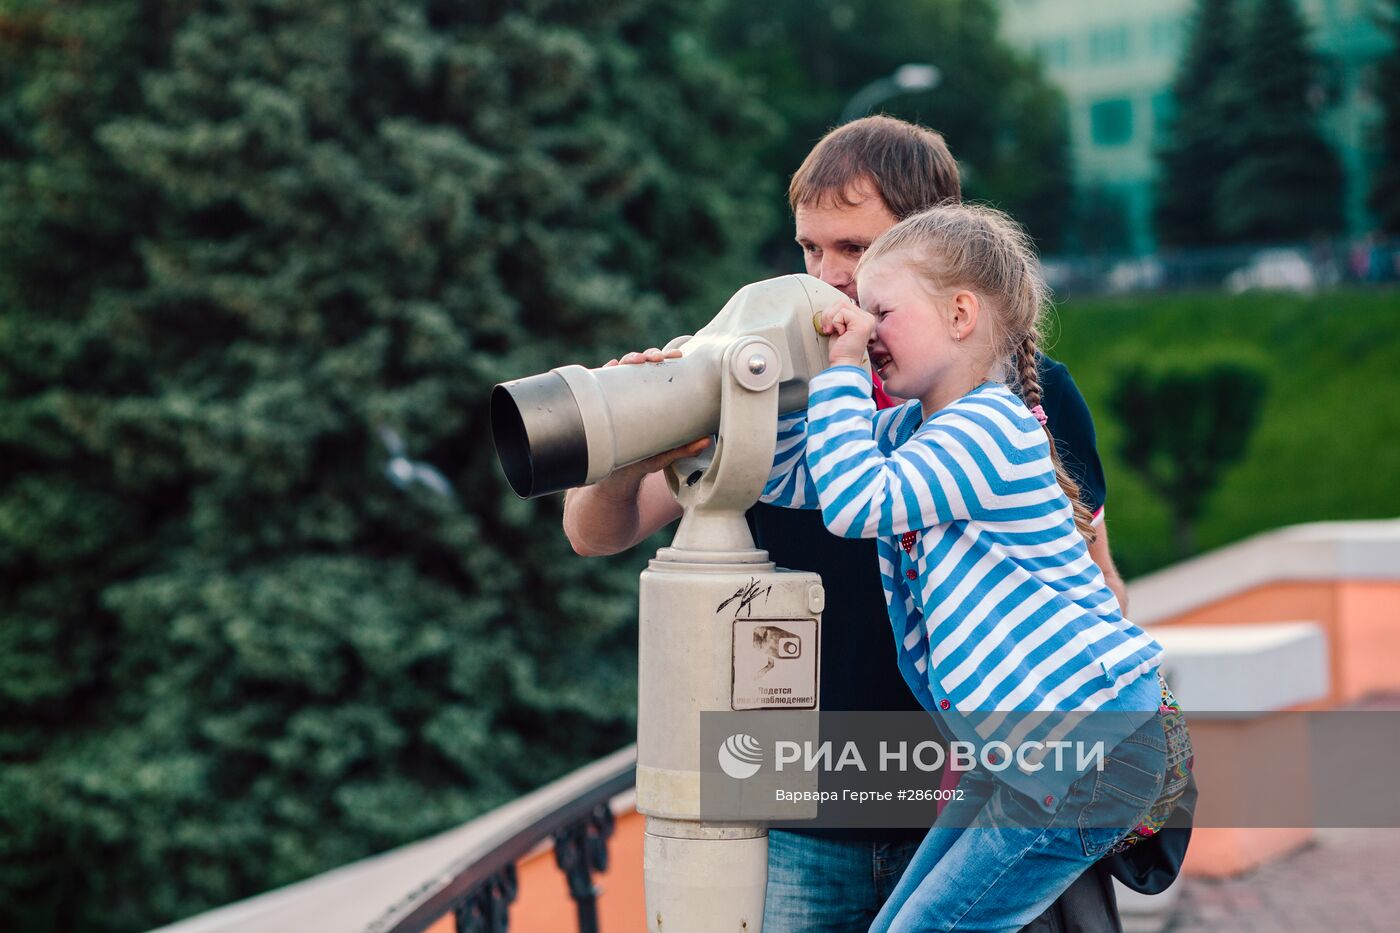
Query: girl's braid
point(1028, 384)
point(1027, 373)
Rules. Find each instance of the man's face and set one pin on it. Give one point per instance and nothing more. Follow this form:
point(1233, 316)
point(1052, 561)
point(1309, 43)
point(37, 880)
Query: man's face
point(833, 236)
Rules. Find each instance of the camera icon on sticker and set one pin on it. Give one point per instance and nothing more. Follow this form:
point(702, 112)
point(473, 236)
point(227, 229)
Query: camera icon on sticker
point(778, 644)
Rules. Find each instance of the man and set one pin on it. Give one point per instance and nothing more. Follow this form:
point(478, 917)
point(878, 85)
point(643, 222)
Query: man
point(860, 180)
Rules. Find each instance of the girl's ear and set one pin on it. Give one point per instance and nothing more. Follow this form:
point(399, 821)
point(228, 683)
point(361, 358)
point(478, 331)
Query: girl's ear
point(966, 310)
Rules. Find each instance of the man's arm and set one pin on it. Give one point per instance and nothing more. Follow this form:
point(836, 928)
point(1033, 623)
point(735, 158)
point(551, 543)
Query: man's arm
point(629, 505)
point(1073, 428)
point(1100, 553)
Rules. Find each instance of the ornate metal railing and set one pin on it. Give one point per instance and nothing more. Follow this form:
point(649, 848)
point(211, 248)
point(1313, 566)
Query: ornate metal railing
point(479, 887)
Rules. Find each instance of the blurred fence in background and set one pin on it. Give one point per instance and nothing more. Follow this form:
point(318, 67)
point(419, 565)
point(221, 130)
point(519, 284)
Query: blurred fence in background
point(1304, 267)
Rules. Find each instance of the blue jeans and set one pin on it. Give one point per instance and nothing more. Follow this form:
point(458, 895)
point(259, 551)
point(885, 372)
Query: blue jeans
point(818, 885)
point(993, 861)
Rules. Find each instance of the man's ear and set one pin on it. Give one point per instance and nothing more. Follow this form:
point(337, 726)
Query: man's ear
point(966, 313)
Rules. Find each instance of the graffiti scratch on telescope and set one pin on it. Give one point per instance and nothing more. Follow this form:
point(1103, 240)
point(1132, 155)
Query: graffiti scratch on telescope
point(746, 595)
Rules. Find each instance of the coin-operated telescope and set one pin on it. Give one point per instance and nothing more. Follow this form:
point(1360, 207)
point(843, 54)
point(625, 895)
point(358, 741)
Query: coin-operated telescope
point(716, 615)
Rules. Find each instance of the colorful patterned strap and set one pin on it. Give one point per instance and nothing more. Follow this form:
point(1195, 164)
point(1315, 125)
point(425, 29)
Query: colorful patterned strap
point(1180, 761)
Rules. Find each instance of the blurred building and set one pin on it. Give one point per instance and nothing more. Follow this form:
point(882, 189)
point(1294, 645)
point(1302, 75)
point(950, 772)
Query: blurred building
point(1116, 61)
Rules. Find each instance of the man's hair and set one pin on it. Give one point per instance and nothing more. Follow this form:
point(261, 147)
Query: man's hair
point(908, 165)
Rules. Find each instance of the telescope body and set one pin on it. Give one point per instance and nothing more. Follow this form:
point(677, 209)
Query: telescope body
point(573, 426)
point(719, 624)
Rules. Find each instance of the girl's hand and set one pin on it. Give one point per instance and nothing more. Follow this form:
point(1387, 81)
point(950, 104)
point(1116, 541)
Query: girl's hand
point(851, 330)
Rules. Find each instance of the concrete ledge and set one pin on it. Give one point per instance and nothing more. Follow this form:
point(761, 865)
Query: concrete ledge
point(1318, 551)
point(1215, 669)
point(1234, 681)
point(1145, 913)
point(349, 898)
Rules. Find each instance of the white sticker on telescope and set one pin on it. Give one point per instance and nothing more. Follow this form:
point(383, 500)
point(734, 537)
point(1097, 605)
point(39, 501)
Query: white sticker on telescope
point(775, 664)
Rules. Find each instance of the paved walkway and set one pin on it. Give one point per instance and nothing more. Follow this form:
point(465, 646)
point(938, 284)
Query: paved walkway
point(1348, 881)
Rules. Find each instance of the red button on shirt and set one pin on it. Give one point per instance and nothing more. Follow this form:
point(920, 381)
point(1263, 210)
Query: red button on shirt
point(911, 575)
point(943, 704)
point(1049, 799)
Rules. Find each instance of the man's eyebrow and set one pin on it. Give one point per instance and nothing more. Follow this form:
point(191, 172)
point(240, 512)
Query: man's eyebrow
point(862, 242)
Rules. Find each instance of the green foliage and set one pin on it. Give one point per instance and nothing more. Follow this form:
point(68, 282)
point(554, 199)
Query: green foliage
point(236, 239)
point(1196, 151)
point(1324, 448)
point(1244, 160)
point(1004, 122)
point(1100, 221)
point(1285, 181)
point(1385, 182)
point(1185, 421)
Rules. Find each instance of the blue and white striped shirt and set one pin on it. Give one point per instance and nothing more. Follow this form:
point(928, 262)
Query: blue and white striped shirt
point(1007, 631)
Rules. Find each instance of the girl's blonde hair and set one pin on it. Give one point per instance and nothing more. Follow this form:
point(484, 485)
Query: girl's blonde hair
point(982, 250)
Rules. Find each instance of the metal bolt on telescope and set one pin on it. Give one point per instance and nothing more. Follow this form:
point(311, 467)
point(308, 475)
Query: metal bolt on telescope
point(712, 606)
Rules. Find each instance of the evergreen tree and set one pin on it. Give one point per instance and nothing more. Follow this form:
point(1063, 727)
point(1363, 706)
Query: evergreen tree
point(1385, 183)
point(1195, 153)
point(1100, 221)
point(67, 529)
point(1285, 181)
point(1005, 123)
point(1185, 422)
point(247, 245)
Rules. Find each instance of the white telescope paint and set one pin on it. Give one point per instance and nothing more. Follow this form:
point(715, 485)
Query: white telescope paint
point(573, 426)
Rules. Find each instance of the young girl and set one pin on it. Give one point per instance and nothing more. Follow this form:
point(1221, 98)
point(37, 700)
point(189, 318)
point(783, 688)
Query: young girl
point(1009, 635)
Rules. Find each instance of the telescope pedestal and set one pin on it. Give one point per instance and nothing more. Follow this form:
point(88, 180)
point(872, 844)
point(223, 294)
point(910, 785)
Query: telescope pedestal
point(702, 878)
point(714, 629)
point(719, 626)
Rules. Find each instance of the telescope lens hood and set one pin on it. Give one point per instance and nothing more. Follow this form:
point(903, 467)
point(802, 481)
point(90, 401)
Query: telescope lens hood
point(539, 435)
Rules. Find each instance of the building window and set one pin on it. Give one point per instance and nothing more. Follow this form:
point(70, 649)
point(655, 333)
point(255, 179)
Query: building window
point(1165, 37)
point(1108, 45)
point(1054, 53)
point(1111, 122)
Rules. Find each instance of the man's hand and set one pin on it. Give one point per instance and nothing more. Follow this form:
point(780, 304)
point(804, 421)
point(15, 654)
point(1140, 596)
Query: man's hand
point(626, 479)
point(851, 330)
point(622, 484)
point(652, 355)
